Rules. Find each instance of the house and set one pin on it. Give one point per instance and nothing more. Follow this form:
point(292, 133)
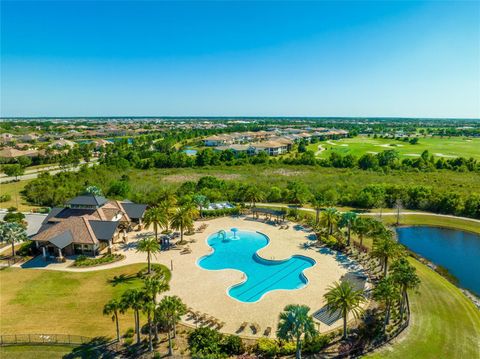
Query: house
point(30, 137)
point(272, 148)
point(88, 225)
point(61, 143)
point(236, 149)
point(6, 137)
point(9, 153)
point(214, 141)
point(101, 143)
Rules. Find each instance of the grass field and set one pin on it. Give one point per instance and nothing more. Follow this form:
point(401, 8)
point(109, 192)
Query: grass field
point(35, 351)
point(439, 147)
point(14, 189)
point(445, 324)
point(44, 301)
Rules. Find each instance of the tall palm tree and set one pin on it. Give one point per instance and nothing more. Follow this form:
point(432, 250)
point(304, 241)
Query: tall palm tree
point(404, 275)
point(170, 309)
point(295, 323)
point(148, 308)
point(167, 206)
point(343, 298)
point(156, 217)
point(347, 220)
point(153, 287)
point(149, 246)
point(12, 232)
point(330, 217)
point(113, 307)
point(385, 247)
point(183, 218)
point(362, 227)
point(134, 299)
point(253, 195)
point(317, 204)
point(386, 292)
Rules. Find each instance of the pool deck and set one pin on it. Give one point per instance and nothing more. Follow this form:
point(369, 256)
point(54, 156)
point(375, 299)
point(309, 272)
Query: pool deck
point(206, 291)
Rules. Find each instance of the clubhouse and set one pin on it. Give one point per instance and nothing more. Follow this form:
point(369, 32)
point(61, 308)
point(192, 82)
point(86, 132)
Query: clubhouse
point(88, 225)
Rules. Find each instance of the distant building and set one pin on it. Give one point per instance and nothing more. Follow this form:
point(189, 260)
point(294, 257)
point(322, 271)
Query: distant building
point(62, 144)
point(10, 152)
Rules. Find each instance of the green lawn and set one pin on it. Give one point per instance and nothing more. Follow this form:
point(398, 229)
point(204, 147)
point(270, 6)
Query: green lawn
point(445, 324)
point(47, 301)
point(35, 351)
point(14, 189)
point(439, 147)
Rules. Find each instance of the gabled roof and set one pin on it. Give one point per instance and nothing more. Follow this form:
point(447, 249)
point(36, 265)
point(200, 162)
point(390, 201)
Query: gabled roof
point(88, 200)
point(134, 210)
point(103, 230)
point(62, 240)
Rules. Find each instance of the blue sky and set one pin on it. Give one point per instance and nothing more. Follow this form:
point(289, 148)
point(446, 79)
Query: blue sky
point(389, 58)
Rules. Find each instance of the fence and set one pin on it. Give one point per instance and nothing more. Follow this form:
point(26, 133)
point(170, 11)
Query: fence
point(50, 339)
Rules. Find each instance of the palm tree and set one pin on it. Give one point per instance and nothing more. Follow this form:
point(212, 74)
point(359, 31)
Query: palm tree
point(167, 206)
point(362, 227)
point(157, 217)
point(11, 232)
point(134, 299)
point(170, 309)
point(201, 201)
point(347, 220)
point(387, 293)
point(148, 308)
point(295, 323)
point(153, 287)
point(343, 298)
point(384, 247)
point(183, 218)
point(253, 195)
point(317, 205)
point(330, 217)
point(404, 275)
point(113, 307)
point(149, 246)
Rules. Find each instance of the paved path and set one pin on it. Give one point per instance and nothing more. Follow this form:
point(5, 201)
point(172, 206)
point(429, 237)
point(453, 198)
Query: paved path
point(279, 205)
point(34, 173)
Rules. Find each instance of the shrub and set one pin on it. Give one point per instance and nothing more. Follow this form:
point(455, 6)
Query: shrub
point(288, 348)
point(232, 345)
point(5, 198)
point(267, 347)
point(205, 342)
point(315, 344)
point(14, 217)
point(129, 333)
point(84, 261)
point(25, 249)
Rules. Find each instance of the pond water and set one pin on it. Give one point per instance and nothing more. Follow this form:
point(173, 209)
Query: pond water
point(456, 250)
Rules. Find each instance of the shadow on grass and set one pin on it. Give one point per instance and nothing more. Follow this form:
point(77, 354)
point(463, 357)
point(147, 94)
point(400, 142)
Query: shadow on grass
point(95, 348)
point(122, 278)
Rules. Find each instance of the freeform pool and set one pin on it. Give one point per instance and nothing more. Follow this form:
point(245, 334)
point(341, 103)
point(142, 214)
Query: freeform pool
point(238, 250)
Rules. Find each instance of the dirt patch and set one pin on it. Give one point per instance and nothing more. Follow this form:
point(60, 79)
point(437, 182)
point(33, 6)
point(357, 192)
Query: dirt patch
point(196, 176)
point(286, 172)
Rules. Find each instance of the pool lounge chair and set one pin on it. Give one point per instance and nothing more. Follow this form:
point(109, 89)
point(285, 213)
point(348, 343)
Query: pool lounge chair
point(267, 331)
point(242, 327)
point(255, 328)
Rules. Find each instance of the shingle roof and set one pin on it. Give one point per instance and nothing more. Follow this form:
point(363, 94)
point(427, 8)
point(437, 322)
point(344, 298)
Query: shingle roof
point(134, 210)
point(62, 240)
point(88, 200)
point(104, 230)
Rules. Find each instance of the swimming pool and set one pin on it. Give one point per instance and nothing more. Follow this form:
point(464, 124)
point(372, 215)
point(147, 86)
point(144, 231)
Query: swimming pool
point(237, 249)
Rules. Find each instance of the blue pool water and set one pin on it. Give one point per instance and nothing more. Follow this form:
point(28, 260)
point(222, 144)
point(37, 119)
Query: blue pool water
point(190, 152)
point(456, 250)
point(261, 276)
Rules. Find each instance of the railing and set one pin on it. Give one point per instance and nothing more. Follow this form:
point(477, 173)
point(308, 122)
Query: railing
point(50, 339)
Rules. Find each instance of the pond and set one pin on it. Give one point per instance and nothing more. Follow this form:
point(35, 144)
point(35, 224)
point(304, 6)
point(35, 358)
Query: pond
point(458, 251)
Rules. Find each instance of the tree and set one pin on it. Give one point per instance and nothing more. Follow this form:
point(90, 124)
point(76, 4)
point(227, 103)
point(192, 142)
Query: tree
point(298, 193)
point(113, 307)
point(362, 227)
point(11, 233)
point(404, 275)
point(386, 292)
point(317, 204)
point(347, 220)
point(170, 309)
point(384, 247)
point(167, 207)
point(13, 170)
point(295, 323)
point(149, 246)
point(343, 298)
point(154, 286)
point(253, 195)
point(93, 190)
point(157, 217)
point(148, 308)
point(183, 218)
point(134, 299)
point(201, 201)
point(329, 218)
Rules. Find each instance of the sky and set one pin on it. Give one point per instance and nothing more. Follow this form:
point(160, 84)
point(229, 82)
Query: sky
point(227, 58)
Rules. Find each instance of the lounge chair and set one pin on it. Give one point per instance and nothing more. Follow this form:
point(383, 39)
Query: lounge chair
point(220, 325)
point(255, 328)
point(267, 331)
point(186, 250)
point(242, 327)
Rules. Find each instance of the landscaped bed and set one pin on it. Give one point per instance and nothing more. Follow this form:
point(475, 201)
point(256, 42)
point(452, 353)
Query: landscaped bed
point(84, 261)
